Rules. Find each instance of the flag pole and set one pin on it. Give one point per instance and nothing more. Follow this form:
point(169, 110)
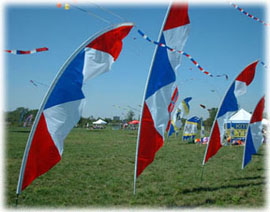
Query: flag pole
point(144, 95)
point(221, 102)
point(202, 171)
point(17, 199)
point(245, 146)
point(45, 99)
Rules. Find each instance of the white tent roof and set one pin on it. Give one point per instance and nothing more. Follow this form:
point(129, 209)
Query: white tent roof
point(241, 116)
point(265, 122)
point(100, 121)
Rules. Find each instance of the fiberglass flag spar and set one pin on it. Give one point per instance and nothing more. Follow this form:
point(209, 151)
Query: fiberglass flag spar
point(62, 106)
point(228, 106)
point(159, 88)
point(254, 136)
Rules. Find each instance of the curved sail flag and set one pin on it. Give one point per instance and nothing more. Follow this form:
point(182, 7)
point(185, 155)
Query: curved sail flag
point(61, 108)
point(159, 89)
point(228, 106)
point(184, 107)
point(254, 136)
point(181, 112)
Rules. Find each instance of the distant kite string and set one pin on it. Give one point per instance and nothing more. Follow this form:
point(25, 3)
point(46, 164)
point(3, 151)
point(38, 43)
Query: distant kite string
point(36, 83)
point(249, 15)
point(154, 42)
point(265, 66)
point(66, 7)
point(27, 51)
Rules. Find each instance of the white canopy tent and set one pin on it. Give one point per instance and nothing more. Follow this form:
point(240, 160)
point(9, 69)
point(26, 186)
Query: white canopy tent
point(236, 126)
point(241, 116)
point(99, 122)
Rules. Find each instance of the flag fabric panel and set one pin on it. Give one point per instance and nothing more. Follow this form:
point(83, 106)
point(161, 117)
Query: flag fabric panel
point(254, 137)
point(181, 112)
point(62, 107)
point(184, 107)
point(190, 129)
point(171, 107)
point(159, 90)
point(228, 107)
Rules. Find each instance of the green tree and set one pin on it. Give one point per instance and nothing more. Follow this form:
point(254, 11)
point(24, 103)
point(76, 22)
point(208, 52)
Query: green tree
point(212, 114)
point(130, 115)
point(16, 117)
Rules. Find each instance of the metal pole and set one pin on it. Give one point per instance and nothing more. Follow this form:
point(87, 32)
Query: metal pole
point(144, 95)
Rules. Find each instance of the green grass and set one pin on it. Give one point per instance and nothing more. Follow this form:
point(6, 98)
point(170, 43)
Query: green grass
point(97, 170)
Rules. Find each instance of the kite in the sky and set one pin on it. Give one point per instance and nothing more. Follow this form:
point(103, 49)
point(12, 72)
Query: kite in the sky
point(27, 51)
point(203, 106)
point(36, 83)
point(31, 81)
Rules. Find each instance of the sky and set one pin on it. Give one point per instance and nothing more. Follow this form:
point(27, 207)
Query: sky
point(222, 40)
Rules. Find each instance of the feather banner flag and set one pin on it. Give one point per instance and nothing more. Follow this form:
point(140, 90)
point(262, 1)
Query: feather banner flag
point(190, 129)
point(159, 87)
point(184, 107)
point(181, 112)
point(254, 136)
point(62, 106)
point(171, 106)
point(228, 106)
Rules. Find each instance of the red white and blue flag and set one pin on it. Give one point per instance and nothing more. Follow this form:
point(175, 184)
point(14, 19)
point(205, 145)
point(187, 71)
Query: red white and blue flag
point(63, 104)
point(160, 87)
point(254, 137)
point(171, 107)
point(228, 106)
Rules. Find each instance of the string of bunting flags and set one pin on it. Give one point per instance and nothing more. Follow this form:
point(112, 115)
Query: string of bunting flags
point(27, 51)
point(249, 15)
point(182, 53)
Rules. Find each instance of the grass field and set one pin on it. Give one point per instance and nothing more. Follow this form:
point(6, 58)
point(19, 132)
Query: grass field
point(97, 170)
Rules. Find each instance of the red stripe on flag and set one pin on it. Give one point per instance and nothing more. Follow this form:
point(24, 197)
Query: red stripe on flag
point(24, 52)
point(258, 113)
point(150, 141)
point(43, 154)
point(42, 49)
point(248, 73)
point(111, 42)
point(178, 16)
point(214, 143)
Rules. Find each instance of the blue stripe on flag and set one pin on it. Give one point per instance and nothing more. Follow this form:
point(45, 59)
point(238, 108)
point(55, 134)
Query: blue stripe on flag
point(229, 103)
point(250, 149)
point(194, 119)
point(140, 32)
point(172, 130)
point(69, 86)
point(162, 71)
